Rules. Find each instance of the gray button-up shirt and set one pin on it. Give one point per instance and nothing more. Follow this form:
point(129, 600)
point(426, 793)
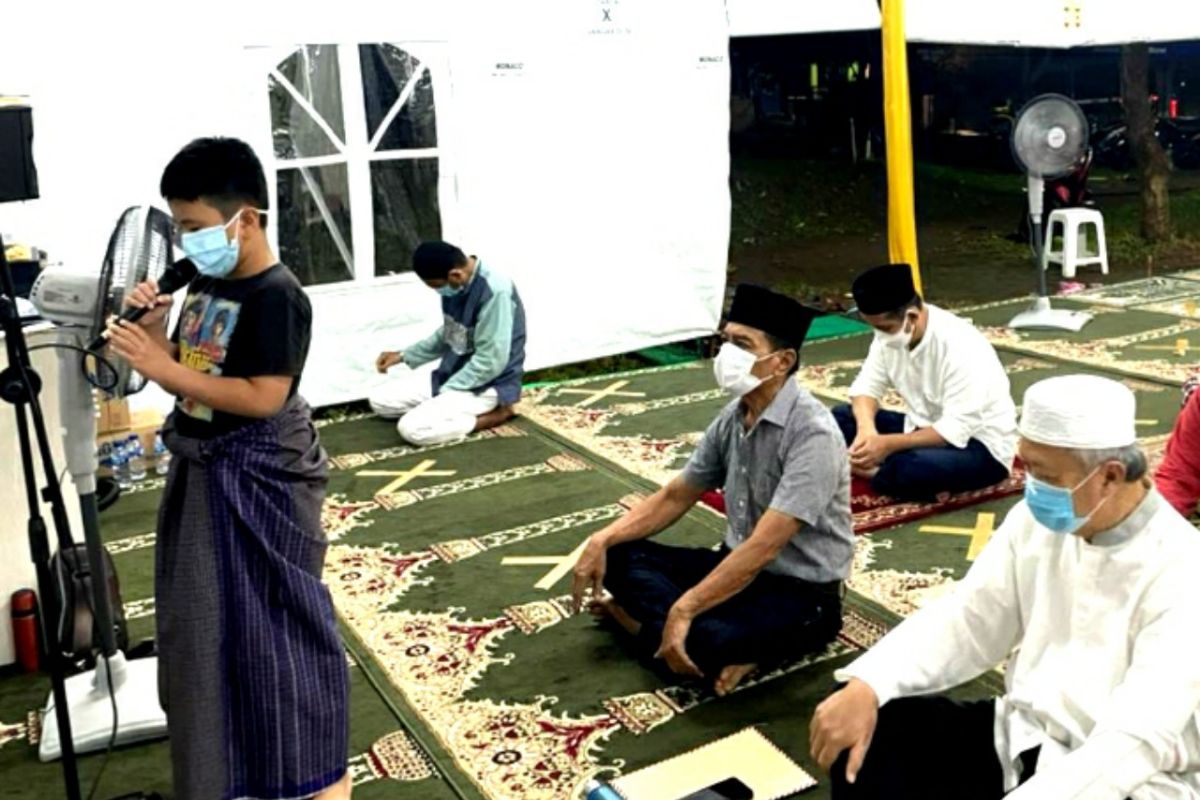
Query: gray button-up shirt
point(793, 461)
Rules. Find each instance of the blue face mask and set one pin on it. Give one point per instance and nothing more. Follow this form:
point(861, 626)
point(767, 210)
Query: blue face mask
point(450, 291)
point(210, 249)
point(1054, 506)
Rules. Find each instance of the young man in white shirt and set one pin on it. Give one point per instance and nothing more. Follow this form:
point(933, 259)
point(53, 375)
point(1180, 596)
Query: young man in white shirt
point(1088, 594)
point(959, 431)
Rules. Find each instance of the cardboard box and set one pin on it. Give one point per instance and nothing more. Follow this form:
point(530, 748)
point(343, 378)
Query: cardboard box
point(145, 424)
point(114, 416)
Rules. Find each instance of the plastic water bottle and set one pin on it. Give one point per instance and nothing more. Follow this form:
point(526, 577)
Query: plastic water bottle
point(162, 456)
point(120, 461)
point(137, 458)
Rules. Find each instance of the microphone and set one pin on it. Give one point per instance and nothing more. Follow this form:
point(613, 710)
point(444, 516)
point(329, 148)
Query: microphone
point(173, 278)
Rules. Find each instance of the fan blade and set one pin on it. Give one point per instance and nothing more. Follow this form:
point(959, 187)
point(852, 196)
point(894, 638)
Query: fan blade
point(1050, 136)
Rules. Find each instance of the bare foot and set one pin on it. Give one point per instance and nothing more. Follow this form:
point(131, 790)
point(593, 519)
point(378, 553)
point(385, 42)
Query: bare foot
point(731, 676)
point(494, 418)
point(338, 791)
point(607, 608)
point(864, 473)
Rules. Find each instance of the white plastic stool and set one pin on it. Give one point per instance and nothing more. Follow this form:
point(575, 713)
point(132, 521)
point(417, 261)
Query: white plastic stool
point(1073, 221)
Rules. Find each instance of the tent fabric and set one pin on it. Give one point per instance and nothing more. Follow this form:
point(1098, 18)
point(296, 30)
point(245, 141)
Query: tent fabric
point(769, 17)
point(1023, 23)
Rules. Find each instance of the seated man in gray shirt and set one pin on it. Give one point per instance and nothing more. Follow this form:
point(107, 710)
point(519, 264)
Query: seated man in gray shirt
point(772, 590)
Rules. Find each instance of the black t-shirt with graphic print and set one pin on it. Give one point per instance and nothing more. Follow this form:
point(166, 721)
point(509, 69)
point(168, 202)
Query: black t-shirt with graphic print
point(244, 328)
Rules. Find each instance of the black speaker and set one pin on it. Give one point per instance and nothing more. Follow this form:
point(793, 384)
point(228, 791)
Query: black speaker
point(18, 175)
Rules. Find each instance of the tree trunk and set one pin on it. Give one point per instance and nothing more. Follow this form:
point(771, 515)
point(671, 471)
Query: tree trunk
point(1154, 169)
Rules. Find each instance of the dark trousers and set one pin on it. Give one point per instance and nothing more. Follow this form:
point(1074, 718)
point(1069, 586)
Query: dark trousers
point(928, 748)
point(927, 472)
point(773, 619)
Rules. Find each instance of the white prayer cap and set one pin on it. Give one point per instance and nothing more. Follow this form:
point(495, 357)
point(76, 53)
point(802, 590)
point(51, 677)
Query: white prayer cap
point(1084, 412)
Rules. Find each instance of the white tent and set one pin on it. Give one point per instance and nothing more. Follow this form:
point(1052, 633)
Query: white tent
point(579, 145)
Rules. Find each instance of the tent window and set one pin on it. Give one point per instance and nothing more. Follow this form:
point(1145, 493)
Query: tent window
point(402, 125)
point(306, 104)
point(314, 223)
point(390, 74)
point(328, 151)
point(406, 211)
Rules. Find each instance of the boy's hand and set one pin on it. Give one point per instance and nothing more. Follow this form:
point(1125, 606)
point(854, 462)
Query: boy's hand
point(132, 343)
point(388, 359)
point(145, 295)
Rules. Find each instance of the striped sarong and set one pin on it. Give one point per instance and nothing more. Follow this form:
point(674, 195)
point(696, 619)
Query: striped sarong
point(252, 672)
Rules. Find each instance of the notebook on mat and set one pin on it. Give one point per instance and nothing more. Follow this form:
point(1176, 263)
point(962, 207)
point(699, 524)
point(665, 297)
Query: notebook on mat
point(747, 755)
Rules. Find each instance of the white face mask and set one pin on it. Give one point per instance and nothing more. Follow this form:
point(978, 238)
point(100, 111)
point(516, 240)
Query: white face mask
point(901, 339)
point(732, 370)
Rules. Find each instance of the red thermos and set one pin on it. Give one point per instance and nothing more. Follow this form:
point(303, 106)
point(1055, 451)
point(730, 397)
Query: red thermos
point(25, 629)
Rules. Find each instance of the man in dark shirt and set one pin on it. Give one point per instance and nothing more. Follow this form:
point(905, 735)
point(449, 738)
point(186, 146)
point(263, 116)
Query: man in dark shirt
point(252, 671)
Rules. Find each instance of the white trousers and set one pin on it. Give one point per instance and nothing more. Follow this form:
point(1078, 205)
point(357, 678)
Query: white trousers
point(425, 419)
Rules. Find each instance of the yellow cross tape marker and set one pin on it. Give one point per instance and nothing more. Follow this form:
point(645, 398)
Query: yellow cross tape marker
point(562, 565)
point(404, 476)
point(985, 526)
point(596, 395)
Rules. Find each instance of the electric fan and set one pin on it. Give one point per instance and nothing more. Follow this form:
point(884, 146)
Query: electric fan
point(81, 304)
point(1048, 140)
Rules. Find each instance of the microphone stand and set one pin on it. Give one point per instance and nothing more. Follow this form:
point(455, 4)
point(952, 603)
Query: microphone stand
point(19, 386)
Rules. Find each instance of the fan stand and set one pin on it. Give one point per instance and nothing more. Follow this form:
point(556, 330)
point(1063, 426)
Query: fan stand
point(1040, 315)
point(128, 689)
point(134, 684)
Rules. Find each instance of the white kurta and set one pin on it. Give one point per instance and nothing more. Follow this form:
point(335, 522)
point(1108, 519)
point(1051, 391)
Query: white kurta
point(1104, 640)
point(952, 381)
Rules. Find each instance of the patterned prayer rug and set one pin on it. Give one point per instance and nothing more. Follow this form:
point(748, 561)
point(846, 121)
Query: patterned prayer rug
point(452, 565)
point(1132, 342)
point(1187, 306)
point(1138, 293)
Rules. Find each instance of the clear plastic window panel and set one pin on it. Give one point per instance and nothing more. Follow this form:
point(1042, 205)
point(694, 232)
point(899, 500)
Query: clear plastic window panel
point(313, 72)
point(386, 71)
point(314, 223)
point(405, 193)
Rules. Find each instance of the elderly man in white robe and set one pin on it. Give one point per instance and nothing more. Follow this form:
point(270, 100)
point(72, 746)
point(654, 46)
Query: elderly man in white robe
point(1089, 593)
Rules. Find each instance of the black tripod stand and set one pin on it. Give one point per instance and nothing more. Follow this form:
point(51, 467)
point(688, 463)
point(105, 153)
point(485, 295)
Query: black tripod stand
point(20, 385)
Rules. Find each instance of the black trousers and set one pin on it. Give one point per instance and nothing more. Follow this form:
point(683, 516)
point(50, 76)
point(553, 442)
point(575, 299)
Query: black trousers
point(773, 619)
point(931, 748)
point(924, 473)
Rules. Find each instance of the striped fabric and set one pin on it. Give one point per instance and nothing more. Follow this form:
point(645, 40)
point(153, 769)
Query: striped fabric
point(282, 668)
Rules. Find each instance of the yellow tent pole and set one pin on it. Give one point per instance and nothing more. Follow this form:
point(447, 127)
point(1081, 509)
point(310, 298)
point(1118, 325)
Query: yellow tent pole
point(897, 118)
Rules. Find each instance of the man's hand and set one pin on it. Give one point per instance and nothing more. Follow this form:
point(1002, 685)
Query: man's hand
point(846, 719)
point(589, 571)
point(672, 650)
point(388, 359)
point(868, 450)
point(132, 343)
point(145, 295)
